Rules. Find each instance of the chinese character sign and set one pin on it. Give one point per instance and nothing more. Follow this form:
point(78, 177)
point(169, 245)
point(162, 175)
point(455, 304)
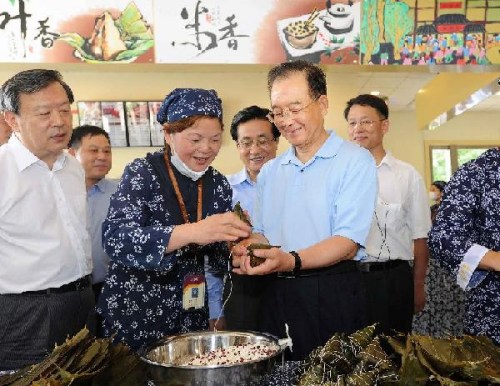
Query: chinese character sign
point(89, 31)
point(208, 31)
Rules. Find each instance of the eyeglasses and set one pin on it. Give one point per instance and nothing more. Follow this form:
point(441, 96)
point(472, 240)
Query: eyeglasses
point(261, 142)
point(276, 117)
point(364, 123)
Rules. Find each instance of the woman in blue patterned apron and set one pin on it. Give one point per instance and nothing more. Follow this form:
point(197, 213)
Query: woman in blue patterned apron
point(465, 238)
point(443, 314)
point(171, 210)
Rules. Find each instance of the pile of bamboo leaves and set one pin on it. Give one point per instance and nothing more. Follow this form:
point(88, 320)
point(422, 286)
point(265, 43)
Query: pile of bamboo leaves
point(365, 359)
point(83, 359)
point(468, 360)
point(357, 359)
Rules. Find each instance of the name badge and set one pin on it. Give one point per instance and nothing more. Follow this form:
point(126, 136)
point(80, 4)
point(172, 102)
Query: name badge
point(193, 292)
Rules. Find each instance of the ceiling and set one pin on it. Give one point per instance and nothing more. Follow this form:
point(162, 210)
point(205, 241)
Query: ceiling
point(399, 84)
point(400, 87)
point(488, 105)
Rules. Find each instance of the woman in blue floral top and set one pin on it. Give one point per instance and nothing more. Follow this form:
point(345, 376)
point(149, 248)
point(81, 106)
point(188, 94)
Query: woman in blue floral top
point(171, 210)
point(466, 239)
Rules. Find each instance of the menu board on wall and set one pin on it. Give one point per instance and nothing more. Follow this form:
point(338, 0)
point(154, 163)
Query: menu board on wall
point(139, 133)
point(113, 121)
point(157, 134)
point(108, 115)
point(90, 113)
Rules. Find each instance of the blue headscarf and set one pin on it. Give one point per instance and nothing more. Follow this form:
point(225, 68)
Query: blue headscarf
point(186, 102)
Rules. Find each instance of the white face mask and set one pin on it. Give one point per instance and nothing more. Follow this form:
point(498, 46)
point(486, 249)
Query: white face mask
point(433, 196)
point(182, 167)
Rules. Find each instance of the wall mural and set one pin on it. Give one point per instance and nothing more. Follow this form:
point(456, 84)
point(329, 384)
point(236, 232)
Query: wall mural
point(369, 32)
point(422, 32)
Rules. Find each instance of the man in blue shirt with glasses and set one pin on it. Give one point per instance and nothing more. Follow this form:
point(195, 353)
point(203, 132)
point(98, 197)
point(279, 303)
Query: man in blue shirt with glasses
point(316, 202)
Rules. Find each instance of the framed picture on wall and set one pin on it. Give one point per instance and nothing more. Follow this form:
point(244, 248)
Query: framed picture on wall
point(108, 115)
point(90, 113)
point(157, 136)
point(137, 116)
point(75, 118)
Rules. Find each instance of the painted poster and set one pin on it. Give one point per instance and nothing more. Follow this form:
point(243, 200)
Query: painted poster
point(138, 127)
point(412, 32)
point(157, 135)
point(91, 31)
point(327, 35)
point(257, 31)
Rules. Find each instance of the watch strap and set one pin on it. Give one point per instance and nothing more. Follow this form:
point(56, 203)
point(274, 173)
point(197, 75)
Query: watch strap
point(298, 262)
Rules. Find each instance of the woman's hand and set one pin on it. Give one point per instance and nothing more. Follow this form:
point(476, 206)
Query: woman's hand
point(220, 227)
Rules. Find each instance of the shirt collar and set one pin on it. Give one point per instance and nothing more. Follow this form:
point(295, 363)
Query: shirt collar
point(241, 177)
point(25, 158)
point(328, 150)
point(103, 186)
point(99, 187)
point(388, 160)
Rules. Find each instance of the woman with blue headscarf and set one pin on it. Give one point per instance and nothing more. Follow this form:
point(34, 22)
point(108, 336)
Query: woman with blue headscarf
point(171, 210)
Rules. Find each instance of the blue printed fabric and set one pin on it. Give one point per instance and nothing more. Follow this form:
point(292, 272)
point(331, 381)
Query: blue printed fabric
point(186, 102)
point(470, 214)
point(142, 294)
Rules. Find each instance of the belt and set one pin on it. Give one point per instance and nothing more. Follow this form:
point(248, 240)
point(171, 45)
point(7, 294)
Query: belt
point(342, 267)
point(77, 285)
point(379, 266)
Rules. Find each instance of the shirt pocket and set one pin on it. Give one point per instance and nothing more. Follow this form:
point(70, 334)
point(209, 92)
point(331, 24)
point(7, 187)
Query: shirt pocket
point(390, 216)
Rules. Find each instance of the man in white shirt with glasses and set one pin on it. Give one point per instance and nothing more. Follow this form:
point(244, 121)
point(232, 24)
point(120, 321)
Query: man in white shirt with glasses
point(45, 250)
point(397, 254)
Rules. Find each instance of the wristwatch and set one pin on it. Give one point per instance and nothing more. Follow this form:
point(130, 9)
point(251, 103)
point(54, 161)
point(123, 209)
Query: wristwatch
point(298, 262)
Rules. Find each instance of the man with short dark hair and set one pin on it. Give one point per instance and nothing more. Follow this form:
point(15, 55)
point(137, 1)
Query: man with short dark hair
point(91, 146)
point(397, 254)
point(257, 142)
point(45, 284)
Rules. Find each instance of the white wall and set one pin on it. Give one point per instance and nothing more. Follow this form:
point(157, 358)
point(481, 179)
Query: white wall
point(240, 86)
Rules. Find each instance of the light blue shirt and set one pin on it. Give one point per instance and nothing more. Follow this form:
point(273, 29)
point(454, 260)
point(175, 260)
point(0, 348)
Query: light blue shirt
point(98, 198)
point(333, 194)
point(243, 190)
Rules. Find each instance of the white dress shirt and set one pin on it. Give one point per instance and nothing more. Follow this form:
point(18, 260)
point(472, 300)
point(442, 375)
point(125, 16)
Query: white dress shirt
point(402, 213)
point(44, 239)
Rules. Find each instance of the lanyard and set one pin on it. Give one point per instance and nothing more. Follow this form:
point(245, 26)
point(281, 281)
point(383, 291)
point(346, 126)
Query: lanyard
point(178, 194)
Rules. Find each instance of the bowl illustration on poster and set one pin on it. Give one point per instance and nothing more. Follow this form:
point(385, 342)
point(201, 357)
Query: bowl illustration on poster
point(120, 40)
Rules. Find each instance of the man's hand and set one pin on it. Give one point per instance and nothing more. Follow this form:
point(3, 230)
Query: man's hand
point(276, 260)
point(419, 297)
point(239, 251)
